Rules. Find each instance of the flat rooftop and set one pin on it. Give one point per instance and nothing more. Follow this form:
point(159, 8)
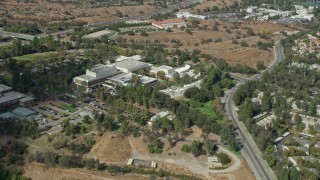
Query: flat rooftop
point(130, 64)
point(124, 77)
point(123, 58)
point(85, 77)
point(147, 80)
point(162, 67)
point(4, 88)
point(27, 98)
point(100, 68)
point(11, 96)
point(21, 111)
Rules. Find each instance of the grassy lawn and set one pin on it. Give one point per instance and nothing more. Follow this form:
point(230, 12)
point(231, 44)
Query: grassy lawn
point(67, 107)
point(238, 153)
point(209, 110)
point(7, 77)
point(36, 57)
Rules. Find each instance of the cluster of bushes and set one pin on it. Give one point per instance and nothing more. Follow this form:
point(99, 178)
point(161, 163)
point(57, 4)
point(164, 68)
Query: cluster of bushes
point(155, 147)
point(223, 158)
point(186, 148)
point(19, 128)
point(23, 28)
point(52, 159)
point(116, 26)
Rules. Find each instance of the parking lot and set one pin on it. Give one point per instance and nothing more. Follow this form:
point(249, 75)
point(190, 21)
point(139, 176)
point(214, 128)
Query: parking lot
point(53, 113)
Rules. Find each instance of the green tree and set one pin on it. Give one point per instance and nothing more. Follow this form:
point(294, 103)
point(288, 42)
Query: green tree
point(266, 101)
point(196, 148)
point(284, 174)
point(294, 174)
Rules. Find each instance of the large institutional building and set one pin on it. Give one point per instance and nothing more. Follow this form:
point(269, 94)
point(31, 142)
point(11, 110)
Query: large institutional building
point(100, 73)
point(95, 76)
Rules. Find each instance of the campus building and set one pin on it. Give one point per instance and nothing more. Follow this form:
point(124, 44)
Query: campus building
point(166, 69)
point(95, 76)
point(131, 65)
point(10, 98)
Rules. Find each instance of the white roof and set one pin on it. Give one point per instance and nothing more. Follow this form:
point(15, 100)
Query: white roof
point(183, 69)
point(123, 58)
point(146, 80)
point(100, 68)
point(130, 64)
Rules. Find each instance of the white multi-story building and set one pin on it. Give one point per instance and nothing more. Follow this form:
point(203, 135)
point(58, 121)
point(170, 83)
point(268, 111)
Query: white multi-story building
point(95, 76)
point(166, 69)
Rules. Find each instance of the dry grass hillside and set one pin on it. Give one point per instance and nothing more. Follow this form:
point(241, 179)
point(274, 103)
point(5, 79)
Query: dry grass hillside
point(45, 11)
point(231, 36)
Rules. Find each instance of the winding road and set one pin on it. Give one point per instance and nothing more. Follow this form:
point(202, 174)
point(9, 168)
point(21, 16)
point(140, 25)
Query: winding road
point(250, 150)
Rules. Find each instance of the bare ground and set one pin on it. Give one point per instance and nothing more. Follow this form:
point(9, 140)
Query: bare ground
point(111, 148)
point(45, 11)
point(37, 171)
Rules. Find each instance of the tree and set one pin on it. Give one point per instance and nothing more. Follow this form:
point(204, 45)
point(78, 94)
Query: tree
point(50, 158)
point(131, 33)
point(92, 164)
point(224, 159)
point(186, 148)
point(294, 173)
point(244, 44)
point(188, 31)
point(284, 174)
point(266, 101)
point(161, 74)
point(271, 160)
point(196, 148)
point(313, 109)
point(144, 33)
point(260, 65)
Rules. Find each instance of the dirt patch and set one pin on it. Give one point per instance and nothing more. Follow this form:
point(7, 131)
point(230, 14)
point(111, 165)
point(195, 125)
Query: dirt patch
point(111, 148)
point(208, 4)
point(176, 169)
point(37, 171)
point(66, 11)
point(233, 53)
point(243, 173)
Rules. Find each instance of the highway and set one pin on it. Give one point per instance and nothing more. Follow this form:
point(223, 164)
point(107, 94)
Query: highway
point(250, 150)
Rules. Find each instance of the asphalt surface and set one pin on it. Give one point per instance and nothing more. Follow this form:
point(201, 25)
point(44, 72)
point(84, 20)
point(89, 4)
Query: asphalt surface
point(250, 150)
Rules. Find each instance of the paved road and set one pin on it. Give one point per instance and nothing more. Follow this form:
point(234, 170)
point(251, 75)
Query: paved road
point(250, 150)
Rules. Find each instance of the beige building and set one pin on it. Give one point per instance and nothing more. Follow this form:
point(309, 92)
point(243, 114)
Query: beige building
point(95, 76)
